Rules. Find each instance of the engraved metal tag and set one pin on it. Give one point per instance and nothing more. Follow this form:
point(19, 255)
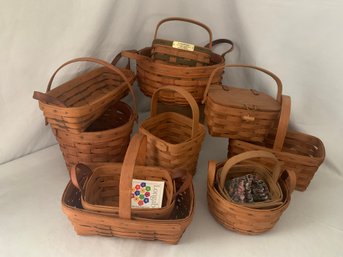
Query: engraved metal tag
point(183, 46)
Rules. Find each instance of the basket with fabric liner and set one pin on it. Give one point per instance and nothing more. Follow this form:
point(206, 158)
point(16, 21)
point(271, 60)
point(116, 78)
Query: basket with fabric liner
point(241, 218)
point(89, 222)
point(75, 104)
point(300, 152)
point(153, 75)
point(241, 113)
point(181, 53)
point(105, 140)
point(174, 140)
point(247, 163)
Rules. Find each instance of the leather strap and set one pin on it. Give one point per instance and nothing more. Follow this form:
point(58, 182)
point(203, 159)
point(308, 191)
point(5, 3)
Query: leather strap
point(222, 41)
point(283, 123)
point(188, 21)
point(277, 80)
point(135, 154)
point(187, 96)
point(246, 156)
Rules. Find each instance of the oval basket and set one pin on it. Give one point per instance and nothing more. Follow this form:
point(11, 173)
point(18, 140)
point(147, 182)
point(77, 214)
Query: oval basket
point(174, 140)
point(238, 113)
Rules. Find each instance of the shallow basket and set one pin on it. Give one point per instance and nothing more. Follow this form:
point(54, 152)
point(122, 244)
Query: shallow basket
point(88, 222)
point(240, 218)
point(74, 105)
point(153, 75)
point(300, 152)
point(174, 140)
point(105, 140)
point(240, 113)
point(180, 53)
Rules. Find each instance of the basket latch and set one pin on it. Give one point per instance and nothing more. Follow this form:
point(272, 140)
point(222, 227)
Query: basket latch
point(249, 117)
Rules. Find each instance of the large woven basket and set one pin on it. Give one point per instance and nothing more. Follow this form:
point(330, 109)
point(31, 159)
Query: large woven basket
point(105, 140)
point(180, 53)
point(241, 113)
point(247, 163)
point(88, 222)
point(74, 105)
point(153, 75)
point(300, 152)
point(100, 185)
point(241, 218)
point(174, 140)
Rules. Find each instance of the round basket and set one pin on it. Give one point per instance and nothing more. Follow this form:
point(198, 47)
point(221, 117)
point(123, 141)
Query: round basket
point(174, 140)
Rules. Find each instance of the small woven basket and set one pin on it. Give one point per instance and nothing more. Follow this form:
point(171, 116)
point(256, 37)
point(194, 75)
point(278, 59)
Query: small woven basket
point(300, 152)
point(180, 53)
point(74, 105)
point(105, 140)
point(153, 75)
point(174, 140)
point(89, 222)
point(100, 185)
point(241, 218)
point(237, 113)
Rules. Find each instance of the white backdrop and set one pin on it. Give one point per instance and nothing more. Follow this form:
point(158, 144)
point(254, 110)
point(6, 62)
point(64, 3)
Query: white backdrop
point(300, 41)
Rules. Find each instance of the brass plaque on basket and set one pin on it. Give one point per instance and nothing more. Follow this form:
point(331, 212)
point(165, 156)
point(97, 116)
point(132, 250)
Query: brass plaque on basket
point(183, 46)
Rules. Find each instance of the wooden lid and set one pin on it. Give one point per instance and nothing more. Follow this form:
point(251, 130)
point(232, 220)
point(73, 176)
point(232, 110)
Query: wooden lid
point(243, 98)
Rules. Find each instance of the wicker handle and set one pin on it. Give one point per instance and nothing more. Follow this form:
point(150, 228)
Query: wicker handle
point(222, 41)
point(134, 155)
point(101, 62)
point(246, 156)
point(187, 96)
point(289, 176)
point(283, 123)
point(117, 58)
point(134, 54)
point(277, 80)
point(187, 181)
point(48, 99)
point(212, 165)
point(189, 21)
point(79, 174)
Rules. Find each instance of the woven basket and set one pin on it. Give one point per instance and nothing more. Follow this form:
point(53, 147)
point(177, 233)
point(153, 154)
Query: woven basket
point(300, 152)
point(237, 113)
point(174, 141)
point(153, 75)
point(246, 163)
point(105, 140)
point(240, 218)
point(74, 105)
point(88, 222)
point(180, 53)
point(101, 184)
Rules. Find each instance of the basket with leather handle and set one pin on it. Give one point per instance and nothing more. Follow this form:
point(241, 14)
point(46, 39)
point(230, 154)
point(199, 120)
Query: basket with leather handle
point(247, 163)
point(300, 152)
point(174, 140)
point(181, 53)
point(242, 218)
point(75, 104)
point(125, 223)
point(241, 113)
point(153, 75)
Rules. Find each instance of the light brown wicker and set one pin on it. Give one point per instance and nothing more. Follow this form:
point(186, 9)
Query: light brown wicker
point(87, 222)
point(174, 140)
point(241, 113)
point(241, 218)
point(300, 152)
point(74, 105)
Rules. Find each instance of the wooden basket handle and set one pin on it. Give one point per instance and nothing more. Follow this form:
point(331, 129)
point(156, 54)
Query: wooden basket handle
point(79, 174)
point(187, 181)
point(134, 54)
point(222, 41)
point(135, 154)
point(189, 21)
point(282, 126)
point(117, 58)
point(289, 176)
point(277, 80)
point(48, 99)
point(103, 63)
point(212, 167)
point(246, 156)
point(190, 99)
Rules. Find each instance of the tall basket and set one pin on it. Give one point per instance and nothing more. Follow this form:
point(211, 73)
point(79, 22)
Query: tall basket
point(174, 140)
point(74, 105)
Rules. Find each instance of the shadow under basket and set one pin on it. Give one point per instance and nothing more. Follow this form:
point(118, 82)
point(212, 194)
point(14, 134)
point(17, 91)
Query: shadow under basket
point(105, 140)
